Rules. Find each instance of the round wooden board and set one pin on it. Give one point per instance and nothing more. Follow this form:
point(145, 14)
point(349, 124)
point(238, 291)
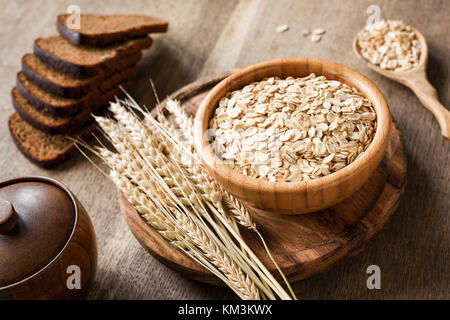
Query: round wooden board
point(303, 245)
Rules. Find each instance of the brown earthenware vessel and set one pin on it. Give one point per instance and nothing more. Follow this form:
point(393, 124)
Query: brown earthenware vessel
point(47, 242)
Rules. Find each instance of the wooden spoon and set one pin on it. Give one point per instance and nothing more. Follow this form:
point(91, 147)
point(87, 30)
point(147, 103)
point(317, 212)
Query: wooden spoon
point(416, 80)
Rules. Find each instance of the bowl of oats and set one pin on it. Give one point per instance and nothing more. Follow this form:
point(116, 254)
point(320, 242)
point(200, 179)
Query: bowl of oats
point(292, 136)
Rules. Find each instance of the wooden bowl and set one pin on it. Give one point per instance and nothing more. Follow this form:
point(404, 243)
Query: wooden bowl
point(294, 197)
point(48, 246)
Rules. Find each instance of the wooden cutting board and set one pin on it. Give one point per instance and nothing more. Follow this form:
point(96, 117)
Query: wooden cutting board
point(302, 245)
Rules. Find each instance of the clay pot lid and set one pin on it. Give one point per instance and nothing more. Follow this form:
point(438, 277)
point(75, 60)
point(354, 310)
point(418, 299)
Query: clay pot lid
point(37, 219)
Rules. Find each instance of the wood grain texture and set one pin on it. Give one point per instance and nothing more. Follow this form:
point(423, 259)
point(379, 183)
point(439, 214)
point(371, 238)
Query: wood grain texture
point(416, 79)
point(293, 197)
point(302, 245)
point(207, 37)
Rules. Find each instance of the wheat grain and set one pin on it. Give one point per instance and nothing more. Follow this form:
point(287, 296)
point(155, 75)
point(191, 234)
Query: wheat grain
point(183, 120)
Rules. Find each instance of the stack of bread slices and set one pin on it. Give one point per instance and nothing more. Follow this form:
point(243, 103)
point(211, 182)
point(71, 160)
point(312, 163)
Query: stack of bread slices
point(73, 75)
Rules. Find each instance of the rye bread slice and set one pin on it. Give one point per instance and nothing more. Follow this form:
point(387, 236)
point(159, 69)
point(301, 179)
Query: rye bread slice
point(98, 30)
point(42, 148)
point(53, 104)
point(84, 60)
point(44, 121)
point(49, 123)
point(63, 106)
point(49, 150)
point(67, 85)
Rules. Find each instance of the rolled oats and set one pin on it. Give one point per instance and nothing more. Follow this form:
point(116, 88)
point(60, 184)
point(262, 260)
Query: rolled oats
point(315, 38)
point(292, 129)
point(391, 45)
point(282, 28)
point(318, 31)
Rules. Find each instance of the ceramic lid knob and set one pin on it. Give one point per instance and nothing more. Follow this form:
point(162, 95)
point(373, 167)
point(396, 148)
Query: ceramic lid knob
point(8, 217)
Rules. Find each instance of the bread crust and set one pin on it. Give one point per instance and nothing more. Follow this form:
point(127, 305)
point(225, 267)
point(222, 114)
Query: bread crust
point(50, 161)
point(80, 37)
point(57, 110)
point(76, 90)
point(63, 64)
point(66, 125)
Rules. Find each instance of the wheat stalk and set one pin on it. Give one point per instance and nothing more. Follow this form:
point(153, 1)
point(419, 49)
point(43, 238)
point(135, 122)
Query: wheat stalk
point(236, 277)
point(131, 168)
point(138, 131)
point(128, 167)
point(150, 159)
point(236, 280)
point(235, 207)
point(192, 165)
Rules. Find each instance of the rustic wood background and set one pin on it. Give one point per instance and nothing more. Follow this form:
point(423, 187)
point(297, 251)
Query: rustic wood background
point(208, 37)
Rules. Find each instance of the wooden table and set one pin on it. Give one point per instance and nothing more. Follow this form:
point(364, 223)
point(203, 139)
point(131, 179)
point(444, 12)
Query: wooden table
point(207, 37)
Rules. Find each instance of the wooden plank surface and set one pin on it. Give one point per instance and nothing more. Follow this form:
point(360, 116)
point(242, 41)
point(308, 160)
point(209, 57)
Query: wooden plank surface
point(208, 37)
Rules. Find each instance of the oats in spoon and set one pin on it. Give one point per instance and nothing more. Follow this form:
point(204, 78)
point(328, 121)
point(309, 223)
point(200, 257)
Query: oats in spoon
point(391, 45)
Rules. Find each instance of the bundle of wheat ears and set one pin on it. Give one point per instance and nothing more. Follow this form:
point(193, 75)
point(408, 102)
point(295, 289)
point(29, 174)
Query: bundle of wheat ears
point(155, 166)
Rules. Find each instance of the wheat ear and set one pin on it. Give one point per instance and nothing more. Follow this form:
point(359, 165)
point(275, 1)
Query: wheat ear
point(185, 123)
point(141, 134)
point(238, 210)
point(150, 154)
point(238, 280)
point(146, 208)
point(122, 145)
point(234, 276)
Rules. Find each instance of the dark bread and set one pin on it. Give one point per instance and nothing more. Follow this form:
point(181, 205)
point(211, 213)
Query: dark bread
point(84, 60)
point(62, 84)
point(98, 30)
point(42, 120)
point(67, 85)
point(49, 123)
point(63, 106)
point(56, 105)
point(54, 81)
point(49, 150)
point(42, 148)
